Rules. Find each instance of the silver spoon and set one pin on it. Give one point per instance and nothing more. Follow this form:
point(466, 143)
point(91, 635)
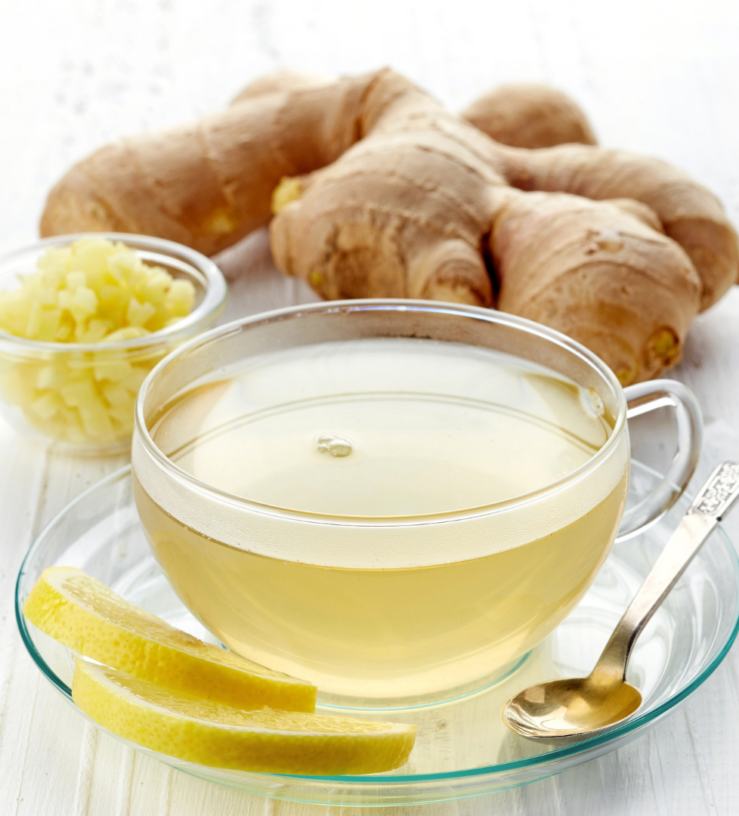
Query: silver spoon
point(585, 706)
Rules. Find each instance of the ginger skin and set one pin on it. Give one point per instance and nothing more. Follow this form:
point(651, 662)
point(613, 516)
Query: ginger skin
point(529, 115)
point(380, 192)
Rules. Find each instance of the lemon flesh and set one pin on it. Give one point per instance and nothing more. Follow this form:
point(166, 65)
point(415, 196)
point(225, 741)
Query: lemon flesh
point(220, 736)
point(92, 620)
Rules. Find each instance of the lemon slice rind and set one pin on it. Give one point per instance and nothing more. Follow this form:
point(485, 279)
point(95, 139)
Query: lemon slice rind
point(212, 734)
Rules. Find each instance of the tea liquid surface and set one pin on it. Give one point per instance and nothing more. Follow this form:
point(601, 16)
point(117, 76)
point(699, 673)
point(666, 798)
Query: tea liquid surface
point(311, 431)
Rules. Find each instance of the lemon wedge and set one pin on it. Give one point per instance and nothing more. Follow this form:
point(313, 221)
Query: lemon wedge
point(220, 736)
point(83, 614)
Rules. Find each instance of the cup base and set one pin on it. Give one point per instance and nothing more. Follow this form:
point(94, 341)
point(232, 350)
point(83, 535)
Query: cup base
point(334, 703)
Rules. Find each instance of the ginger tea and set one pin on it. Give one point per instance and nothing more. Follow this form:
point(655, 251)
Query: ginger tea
point(372, 536)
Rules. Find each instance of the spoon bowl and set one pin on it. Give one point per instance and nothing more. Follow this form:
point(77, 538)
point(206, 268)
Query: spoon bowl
point(562, 709)
point(586, 706)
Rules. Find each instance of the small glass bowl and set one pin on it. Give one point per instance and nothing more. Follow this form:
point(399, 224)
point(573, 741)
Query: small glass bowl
point(111, 373)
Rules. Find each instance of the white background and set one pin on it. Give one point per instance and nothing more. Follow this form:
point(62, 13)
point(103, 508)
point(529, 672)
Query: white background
point(654, 76)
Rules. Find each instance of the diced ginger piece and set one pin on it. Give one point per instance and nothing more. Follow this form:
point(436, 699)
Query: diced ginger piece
point(139, 274)
point(53, 279)
point(113, 298)
point(78, 392)
point(74, 431)
point(47, 405)
point(51, 376)
point(135, 379)
point(49, 324)
point(122, 264)
point(30, 282)
point(117, 396)
point(121, 404)
point(18, 386)
point(96, 330)
point(84, 303)
point(34, 319)
point(16, 308)
point(65, 299)
point(95, 420)
point(156, 287)
point(75, 280)
point(91, 257)
point(138, 313)
point(71, 416)
point(115, 369)
point(181, 298)
point(46, 296)
point(63, 333)
point(123, 415)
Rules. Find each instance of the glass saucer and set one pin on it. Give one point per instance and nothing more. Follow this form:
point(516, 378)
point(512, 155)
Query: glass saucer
point(463, 749)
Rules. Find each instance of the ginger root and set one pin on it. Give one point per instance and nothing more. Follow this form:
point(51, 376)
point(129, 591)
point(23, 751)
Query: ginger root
point(380, 192)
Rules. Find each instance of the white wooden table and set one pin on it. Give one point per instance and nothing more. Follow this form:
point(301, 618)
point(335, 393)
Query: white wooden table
point(654, 76)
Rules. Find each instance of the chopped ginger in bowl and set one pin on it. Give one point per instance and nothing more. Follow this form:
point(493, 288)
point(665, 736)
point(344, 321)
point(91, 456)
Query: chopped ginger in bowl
point(83, 319)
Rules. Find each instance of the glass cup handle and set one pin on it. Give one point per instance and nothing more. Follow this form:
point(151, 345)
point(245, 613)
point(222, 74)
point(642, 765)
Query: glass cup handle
point(649, 396)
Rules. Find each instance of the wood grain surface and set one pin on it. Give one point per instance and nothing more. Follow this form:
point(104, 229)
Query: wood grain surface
point(655, 77)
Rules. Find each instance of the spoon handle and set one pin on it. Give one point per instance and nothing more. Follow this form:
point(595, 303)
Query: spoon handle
point(711, 504)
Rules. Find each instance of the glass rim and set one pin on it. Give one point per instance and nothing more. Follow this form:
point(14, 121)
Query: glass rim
point(214, 286)
point(358, 781)
point(380, 304)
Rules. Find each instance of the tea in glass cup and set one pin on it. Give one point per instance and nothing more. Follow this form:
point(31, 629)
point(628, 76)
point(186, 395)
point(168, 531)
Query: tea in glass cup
point(395, 500)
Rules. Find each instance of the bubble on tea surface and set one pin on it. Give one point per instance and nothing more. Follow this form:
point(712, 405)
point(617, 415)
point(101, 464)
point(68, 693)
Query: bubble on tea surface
point(335, 445)
point(592, 401)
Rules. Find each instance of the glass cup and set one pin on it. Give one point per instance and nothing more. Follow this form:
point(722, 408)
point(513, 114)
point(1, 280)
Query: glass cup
point(454, 579)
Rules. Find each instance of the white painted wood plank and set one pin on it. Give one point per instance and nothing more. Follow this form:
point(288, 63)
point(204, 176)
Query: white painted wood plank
point(50, 768)
point(21, 485)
